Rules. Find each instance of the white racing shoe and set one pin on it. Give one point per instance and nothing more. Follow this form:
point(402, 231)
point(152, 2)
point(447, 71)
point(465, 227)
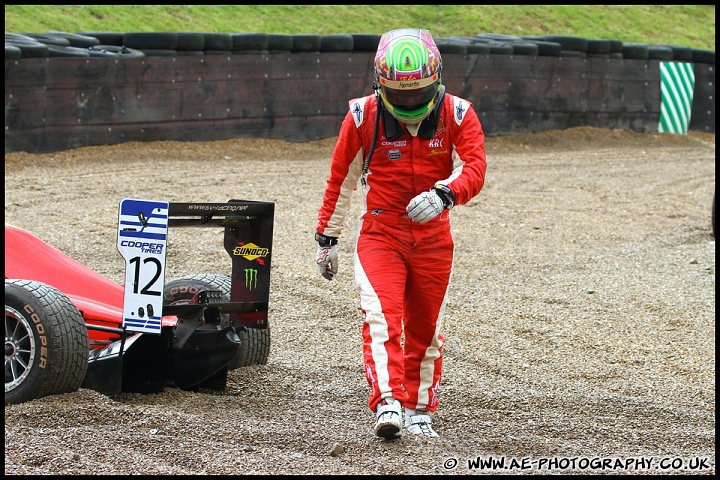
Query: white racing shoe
point(389, 418)
point(419, 423)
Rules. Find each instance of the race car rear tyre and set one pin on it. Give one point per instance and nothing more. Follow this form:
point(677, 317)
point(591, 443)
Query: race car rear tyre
point(46, 342)
point(183, 289)
point(254, 347)
point(254, 343)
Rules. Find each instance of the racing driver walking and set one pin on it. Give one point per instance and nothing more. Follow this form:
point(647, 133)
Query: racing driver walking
point(417, 152)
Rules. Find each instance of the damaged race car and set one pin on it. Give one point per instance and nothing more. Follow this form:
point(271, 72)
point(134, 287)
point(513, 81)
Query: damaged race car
point(67, 326)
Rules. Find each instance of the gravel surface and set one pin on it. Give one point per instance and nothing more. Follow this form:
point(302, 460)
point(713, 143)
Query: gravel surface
point(580, 324)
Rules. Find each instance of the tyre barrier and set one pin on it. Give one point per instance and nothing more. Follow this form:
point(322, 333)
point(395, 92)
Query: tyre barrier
point(77, 40)
point(242, 42)
point(278, 42)
point(217, 42)
point(67, 51)
point(365, 42)
point(48, 39)
point(337, 43)
point(190, 41)
point(161, 43)
point(12, 52)
point(151, 40)
point(115, 51)
point(259, 85)
point(29, 47)
point(106, 38)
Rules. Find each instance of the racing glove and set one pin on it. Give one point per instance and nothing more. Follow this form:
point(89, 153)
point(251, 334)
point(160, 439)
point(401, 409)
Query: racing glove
point(327, 256)
point(429, 205)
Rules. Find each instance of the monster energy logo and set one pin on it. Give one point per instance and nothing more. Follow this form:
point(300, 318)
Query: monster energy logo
point(251, 278)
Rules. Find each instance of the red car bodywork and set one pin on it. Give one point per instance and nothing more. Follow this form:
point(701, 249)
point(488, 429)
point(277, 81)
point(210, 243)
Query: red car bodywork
point(99, 299)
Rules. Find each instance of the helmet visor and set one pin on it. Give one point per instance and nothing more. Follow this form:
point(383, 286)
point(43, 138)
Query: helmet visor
point(413, 99)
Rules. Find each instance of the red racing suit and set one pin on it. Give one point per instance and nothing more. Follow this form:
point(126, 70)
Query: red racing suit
point(403, 268)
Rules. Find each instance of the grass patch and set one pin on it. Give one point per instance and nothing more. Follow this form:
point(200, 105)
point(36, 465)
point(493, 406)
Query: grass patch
point(687, 25)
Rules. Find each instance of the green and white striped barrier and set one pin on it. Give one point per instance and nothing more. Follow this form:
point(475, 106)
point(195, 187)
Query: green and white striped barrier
point(677, 83)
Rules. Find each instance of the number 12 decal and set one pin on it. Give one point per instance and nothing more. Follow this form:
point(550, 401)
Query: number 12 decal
point(142, 241)
point(158, 271)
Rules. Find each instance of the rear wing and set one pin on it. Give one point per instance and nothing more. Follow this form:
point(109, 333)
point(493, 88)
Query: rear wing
point(248, 239)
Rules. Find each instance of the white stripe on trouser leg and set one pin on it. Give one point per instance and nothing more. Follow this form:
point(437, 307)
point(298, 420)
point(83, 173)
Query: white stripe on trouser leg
point(427, 366)
point(370, 303)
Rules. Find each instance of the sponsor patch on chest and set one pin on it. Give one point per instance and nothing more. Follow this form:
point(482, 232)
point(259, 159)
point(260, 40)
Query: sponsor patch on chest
point(437, 146)
point(394, 154)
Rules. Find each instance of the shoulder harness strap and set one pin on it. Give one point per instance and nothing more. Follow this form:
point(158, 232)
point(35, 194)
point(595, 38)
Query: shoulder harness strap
point(429, 125)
